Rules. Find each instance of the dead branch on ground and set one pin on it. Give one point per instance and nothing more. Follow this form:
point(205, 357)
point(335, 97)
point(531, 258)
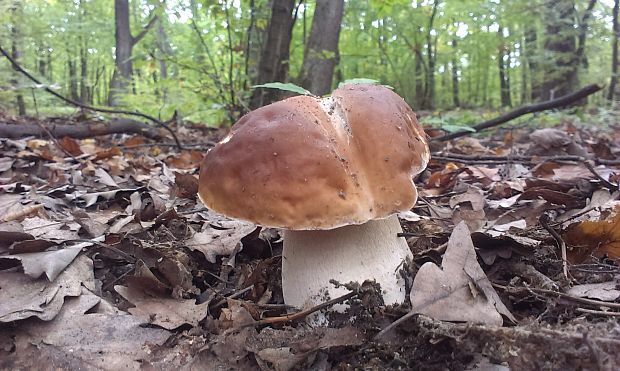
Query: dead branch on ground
point(530, 108)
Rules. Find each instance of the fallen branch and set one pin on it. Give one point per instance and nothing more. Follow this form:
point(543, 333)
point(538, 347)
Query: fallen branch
point(87, 129)
point(531, 108)
point(19, 68)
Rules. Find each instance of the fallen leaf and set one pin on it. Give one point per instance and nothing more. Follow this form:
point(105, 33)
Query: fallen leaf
point(49, 262)
point(163, 311)
point(605, 291)
point(596, 238)
point(78, 341)
point(22, 297)
point(213, 242)
point(459, 290)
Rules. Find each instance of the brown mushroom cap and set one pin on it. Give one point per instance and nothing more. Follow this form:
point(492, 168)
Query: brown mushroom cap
point(312, 163)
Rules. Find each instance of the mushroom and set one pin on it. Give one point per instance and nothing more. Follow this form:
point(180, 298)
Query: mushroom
point(332, 172)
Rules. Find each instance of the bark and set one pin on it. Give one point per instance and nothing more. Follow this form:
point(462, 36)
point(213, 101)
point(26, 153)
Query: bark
point(613, 93)
point(84, 91)
point(455, 73)
point(583, 30)
point(82, 130)
point(16, 54)
point(125, 41)
point(73, 82)
point(317, 69)
point(561, 67)
point(530, 38)
point(430, 55)
point(504, 79)
point(273, 65)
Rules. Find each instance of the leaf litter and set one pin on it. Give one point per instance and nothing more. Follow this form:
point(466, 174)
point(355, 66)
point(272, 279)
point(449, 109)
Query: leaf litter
point(108, 261)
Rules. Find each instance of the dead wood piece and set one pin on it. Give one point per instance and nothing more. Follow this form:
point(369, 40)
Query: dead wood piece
point(86, 129)
point(530, 108)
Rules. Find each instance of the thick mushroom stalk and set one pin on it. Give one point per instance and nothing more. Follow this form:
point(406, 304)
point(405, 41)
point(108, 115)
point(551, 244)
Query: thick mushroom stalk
point(352, 253)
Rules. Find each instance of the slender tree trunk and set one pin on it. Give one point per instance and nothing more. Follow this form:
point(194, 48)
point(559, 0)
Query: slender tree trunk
point(84, 91)
point(125, 41)
point(613, 93)
point(583, 30)
point(504, 82)
point(455, 73)
point(317, 69)
point(73, 79)
point(273, 65)
point(430, 73)
point(561, 67)
point(16, 54)
point(530, 41)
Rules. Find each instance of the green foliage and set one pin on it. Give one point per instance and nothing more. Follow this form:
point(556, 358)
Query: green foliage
point(284, 86)
point(205, 62)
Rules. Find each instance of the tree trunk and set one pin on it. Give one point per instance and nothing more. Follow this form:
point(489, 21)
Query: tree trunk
point(583, 30)
point(430, 72)
point(317, 69)
point(125, 42)
point(73, 78)
point(561, 65)
point(16, 54)
point(530, 47)
point(273, 65)
point(84, 91)
point(613, 94)
point(455, 73)
point(503, 65)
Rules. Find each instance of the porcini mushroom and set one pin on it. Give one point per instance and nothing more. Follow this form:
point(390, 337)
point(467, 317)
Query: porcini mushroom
point(331, 172)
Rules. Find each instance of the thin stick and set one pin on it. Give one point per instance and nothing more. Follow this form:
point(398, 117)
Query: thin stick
point(576, 299)
point(544, 221)
point(484, 159)
point(303, 313)
point(232, 296)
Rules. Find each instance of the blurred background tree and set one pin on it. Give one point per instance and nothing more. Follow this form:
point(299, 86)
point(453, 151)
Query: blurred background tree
point(201, 57)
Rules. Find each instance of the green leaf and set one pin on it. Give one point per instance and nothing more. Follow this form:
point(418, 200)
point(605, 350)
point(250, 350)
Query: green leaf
point(284, 86)
point(451, 128)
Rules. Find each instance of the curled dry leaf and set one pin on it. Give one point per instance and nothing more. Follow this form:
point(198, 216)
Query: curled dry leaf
point(459, 290)
point(213, 242)
point(605, 291)
point(595, 238)
point(163, 311)
point(75, 340)
point(22, 297)
point(49, 262)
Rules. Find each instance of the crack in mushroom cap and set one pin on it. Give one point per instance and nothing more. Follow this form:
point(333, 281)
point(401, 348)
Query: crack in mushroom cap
point(318, 163)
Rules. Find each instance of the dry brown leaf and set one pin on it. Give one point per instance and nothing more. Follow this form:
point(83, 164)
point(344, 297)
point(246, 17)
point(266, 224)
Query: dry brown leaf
point(595, 238)
point(70, 145)
point(213, 242)
point(163, 311)
point(78, 341)
point(605, 291)
point(22, 297)
point(459, 290)
point(49, 262)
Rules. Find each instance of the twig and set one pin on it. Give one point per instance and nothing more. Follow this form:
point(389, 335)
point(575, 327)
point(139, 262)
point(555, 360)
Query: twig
point(612, 187)
point(303, 313)
point(232, 296)
point(598, 312)
point(544, 220)
point(85, 106)
point(531, 108)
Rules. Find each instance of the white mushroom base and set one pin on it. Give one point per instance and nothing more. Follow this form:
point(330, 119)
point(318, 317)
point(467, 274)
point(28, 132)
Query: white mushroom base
point(353, 253)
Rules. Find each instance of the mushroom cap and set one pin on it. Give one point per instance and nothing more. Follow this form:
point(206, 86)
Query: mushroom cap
point(318, 163)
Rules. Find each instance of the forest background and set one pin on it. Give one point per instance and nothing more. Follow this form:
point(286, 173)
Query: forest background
point(201, 58)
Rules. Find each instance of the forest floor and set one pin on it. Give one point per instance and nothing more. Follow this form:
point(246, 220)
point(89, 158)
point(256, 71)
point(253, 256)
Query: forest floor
point(108, 261)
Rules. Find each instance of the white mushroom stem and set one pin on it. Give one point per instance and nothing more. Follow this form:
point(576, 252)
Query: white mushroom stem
point(353, 253)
